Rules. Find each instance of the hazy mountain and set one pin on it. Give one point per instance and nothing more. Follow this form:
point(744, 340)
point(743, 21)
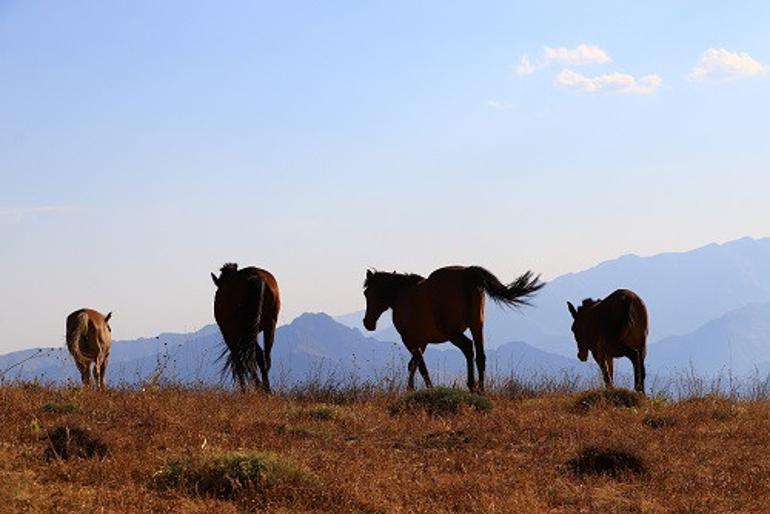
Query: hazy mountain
point(738, 342)
point(683, 291)
point(311, 346)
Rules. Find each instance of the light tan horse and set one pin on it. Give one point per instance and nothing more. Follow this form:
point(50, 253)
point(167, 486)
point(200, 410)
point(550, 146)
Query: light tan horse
point(89, 338)
point(614, 327)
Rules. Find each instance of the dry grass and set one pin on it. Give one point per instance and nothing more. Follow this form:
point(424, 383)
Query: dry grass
point(518, 457)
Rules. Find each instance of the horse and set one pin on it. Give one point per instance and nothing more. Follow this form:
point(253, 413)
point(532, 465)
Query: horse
point(441, 308)
point(247, 302)
point(89, 338)
point(614, 327)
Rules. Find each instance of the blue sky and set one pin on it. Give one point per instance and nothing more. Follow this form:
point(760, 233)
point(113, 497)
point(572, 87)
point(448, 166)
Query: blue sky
point(143, 144)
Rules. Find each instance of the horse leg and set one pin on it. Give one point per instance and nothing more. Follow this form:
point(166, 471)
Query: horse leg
point(477, 331)
point(466, 346)
point(85, 373)
point(639, 371)
point(103, 371)
point(417, 354)
point(412, 366)
point(97, 374)
point(611, 371)
point(269, 338)
point(263, 369)
point(602, 362)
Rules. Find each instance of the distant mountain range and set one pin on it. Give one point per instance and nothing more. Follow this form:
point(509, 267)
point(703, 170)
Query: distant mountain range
point(683, 292)
point(709, 312)
point(312, 347)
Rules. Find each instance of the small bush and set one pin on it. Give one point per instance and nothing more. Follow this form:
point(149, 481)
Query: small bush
point(231, 475)
point(613, 397)
point(60, 408)
point(65, 442)
point(610, 462)
point(323, 412)
point(658, 421)
point(439, 401)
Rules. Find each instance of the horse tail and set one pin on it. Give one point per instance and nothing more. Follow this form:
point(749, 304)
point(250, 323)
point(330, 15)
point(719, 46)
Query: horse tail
point(77, 326)
point(516, 294)
point(241, 359)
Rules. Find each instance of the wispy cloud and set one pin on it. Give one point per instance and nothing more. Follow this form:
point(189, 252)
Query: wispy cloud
point(720, 65)
point(497, 104)
point(623, 83)
point(16, 214)
point(580, 55)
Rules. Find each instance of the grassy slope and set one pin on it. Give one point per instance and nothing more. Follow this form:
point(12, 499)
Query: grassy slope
point(716, 456)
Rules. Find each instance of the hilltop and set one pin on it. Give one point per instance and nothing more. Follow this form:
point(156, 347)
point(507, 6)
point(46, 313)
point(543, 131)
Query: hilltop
point(700, 455)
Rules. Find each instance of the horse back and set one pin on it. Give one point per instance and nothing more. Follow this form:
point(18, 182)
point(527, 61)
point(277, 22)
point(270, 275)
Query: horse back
point(454, 303)
point(87, 334)
point(625, 319)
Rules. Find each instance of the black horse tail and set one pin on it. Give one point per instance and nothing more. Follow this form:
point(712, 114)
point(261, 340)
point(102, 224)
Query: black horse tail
point(516, 294)
point(241, 357)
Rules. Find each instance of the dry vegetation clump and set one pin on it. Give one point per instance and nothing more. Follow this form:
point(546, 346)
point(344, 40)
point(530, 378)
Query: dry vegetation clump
point(60, 408)
point(615, 397)
point(612, 462)
point(440, 401)
point(233, 475)
point(658, 420)
point(65, 442)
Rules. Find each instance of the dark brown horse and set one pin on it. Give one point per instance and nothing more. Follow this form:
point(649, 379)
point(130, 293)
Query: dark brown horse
point(610, 328)
point(441, 308)
point(247, 302)
point(89, 338)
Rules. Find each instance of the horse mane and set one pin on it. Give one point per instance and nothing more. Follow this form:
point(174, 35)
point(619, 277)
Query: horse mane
point(228, 271)
point(588, 303)
point(396, 280)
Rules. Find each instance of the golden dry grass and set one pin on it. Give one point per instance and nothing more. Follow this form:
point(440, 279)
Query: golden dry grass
point(714, 456)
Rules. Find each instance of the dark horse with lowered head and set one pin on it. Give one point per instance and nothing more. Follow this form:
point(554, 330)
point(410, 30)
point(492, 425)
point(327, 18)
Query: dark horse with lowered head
point(247, 302)
point(614, 327)
point(441, 308)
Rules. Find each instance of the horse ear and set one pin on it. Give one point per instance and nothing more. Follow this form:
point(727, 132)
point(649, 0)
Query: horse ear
point(572, 310)
point(369, 273)
point(215, 279)
point(107, 317)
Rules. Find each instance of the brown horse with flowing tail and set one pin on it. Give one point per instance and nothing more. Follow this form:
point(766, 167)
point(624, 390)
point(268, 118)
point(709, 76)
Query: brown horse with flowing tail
point(246, 303)
point(441, 308)
point(89, 338)
point(614, 327)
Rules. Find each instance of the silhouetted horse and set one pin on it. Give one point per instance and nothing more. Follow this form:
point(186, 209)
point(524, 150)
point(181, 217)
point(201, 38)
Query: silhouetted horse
point(440, 308)
point(613, 327)
point(247, 302)
point(89, 338)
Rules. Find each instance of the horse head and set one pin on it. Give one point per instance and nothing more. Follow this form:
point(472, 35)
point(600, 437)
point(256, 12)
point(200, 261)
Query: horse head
point(582, 327)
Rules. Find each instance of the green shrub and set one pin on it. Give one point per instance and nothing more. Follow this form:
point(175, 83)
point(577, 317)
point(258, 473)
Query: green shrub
point(231, 475)
point(439, 401)
point(60, 408)
point(323, 412)
point(613, 397)
point(658, 421)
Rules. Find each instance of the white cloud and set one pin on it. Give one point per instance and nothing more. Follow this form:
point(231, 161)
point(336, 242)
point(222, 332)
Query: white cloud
point(578, 56)
point(581, 54)
point(497, 104)
point(525, 67)
point(720, 65)
point(609, 82)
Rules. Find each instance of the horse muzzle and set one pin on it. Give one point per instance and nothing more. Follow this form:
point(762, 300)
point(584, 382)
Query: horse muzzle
point(369, 325)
